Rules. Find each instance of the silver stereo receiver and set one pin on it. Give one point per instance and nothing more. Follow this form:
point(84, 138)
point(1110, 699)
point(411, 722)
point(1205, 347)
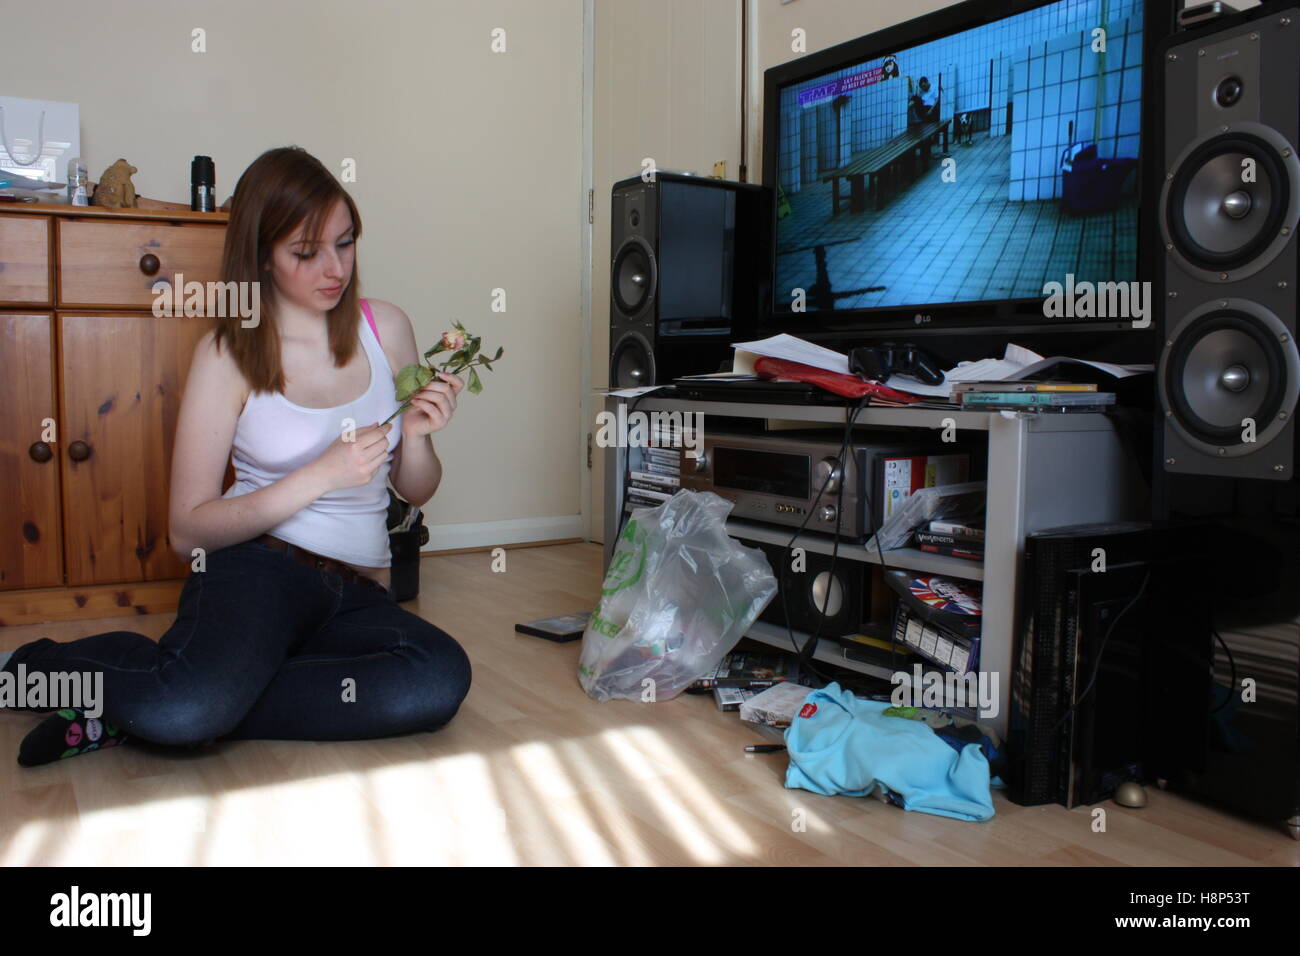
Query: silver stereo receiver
point(775, 477)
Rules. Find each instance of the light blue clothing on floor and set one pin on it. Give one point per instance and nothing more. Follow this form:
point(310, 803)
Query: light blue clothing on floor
point(845, 745)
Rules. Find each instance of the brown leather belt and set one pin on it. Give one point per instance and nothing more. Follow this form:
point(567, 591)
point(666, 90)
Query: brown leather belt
point(312, 559)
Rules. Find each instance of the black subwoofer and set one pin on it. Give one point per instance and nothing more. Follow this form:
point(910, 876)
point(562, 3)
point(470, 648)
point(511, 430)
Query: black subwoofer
point(819, 601)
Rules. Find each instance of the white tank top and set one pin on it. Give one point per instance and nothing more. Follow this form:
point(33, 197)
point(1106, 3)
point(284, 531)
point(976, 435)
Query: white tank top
point(274, 437)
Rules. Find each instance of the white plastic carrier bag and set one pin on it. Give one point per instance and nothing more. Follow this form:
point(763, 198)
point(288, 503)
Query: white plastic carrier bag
point(678, 594)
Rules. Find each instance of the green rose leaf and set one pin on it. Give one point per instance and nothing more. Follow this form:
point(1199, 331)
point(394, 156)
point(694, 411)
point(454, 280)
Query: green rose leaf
point(411, 379)
point(451, 361)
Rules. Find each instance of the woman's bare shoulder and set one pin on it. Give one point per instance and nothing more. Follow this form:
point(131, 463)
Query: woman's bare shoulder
point(395, 332)
point(215, 370)
point(388, 316)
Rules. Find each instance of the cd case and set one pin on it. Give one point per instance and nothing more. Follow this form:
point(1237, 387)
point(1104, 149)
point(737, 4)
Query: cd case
point(564, 627)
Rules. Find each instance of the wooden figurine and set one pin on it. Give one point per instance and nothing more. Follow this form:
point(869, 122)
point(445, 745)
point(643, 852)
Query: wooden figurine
point(115, 189)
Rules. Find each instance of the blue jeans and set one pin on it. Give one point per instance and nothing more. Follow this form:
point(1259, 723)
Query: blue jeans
point(266, 648)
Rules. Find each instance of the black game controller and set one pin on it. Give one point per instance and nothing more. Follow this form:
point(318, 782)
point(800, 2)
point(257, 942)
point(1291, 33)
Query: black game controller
point(879, 362)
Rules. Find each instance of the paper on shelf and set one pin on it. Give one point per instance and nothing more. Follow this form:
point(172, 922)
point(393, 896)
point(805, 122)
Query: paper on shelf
point(905, 383)
point(631, 392)
point(792, 350)
point(1019, 363)
point(718, 377)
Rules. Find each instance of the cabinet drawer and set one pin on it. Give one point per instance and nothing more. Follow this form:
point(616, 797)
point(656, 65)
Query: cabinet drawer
point(104, 264)
point(24, 259)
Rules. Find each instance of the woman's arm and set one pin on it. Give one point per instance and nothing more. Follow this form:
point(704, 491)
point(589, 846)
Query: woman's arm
point(416, 470)
point(205, 431)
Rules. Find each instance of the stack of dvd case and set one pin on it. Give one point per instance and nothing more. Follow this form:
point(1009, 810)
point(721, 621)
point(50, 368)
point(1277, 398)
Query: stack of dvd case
point(657, 476)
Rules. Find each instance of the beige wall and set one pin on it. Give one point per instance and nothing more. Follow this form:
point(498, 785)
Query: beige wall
point(667, 86)
point(469, 178)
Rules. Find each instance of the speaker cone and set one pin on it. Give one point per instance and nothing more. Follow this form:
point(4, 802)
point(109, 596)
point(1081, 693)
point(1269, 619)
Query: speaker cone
point(827, 595)
point(1229, 378)
point(632, 364)
point(634, 277)
point(1227, 201)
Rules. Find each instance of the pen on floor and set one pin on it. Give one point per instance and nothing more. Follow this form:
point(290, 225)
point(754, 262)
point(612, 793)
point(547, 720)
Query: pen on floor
point(763, 748)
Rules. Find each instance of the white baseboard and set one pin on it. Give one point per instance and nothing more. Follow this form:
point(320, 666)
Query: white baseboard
point(483, 534)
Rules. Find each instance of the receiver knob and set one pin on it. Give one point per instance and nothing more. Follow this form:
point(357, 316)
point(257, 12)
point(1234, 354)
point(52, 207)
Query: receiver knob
point(701, 463)
point(827, 512)
point(829, 471)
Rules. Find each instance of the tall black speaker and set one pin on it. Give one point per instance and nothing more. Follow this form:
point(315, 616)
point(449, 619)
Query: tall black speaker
point(1228, 382)
point(1229, 373)
point(690, 260)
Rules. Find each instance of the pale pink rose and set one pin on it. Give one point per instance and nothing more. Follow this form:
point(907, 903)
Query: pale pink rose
point(453, 340)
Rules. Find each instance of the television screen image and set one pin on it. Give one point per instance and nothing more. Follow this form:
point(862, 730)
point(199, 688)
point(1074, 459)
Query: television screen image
point(976, 167)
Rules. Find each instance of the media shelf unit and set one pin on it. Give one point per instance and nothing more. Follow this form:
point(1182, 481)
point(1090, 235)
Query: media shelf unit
point(1044, 471)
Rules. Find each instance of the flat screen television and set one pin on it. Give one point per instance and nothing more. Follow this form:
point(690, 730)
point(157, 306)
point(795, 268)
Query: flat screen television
point(940, 175)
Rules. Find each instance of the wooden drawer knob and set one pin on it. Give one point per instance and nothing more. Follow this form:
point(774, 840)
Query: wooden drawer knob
point(78, 451)
point(149, 264)
point(40, 451)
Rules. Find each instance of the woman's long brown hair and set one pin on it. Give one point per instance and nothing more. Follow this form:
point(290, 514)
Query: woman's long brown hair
point(282, 189)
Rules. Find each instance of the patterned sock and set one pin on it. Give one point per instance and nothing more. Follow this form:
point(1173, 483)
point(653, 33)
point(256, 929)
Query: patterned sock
point(67, 733)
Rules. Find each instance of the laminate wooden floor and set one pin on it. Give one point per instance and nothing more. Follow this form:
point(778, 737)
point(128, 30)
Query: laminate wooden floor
point(532, 771)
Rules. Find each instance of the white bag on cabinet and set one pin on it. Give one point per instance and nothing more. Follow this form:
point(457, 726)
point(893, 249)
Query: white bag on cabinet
point(44, 135)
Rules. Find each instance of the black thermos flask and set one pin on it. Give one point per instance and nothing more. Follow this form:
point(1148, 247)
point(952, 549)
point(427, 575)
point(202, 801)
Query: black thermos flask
point(203, 182)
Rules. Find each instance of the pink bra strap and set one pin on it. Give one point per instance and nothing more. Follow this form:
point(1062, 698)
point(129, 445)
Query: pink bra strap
point(365, 308)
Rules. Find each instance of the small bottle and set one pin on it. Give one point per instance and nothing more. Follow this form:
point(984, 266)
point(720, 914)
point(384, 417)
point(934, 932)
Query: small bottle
point(203, 183)
point(78, 182)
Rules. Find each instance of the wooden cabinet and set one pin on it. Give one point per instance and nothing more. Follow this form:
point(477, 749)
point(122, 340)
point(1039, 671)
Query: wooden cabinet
point(90, 390)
